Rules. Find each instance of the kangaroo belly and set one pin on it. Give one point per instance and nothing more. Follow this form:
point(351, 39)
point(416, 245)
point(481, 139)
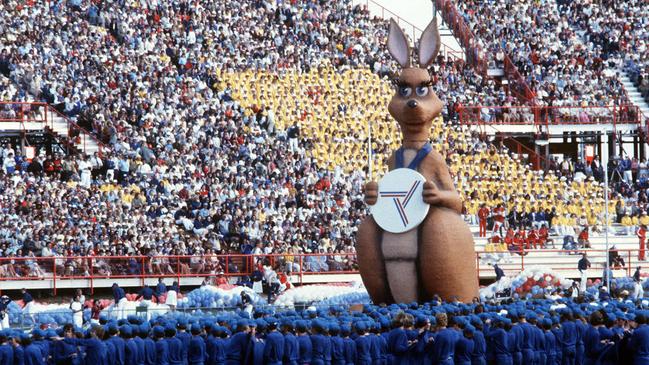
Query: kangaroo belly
point(400, 251)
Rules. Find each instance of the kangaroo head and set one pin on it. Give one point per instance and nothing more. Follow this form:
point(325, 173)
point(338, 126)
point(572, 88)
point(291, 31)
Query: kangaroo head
point(414, 104)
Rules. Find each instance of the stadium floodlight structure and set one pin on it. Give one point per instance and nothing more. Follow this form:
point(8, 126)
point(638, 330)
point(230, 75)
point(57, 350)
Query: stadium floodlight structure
point(369, 150)
point(606, 225)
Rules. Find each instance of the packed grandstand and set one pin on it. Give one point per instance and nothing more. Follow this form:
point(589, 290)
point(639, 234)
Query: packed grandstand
point(233, 140)
point(195, 104)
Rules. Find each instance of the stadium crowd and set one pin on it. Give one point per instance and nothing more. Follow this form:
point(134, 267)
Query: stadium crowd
point(207, 155)
point(550, 44)
point(619, 29)
point(540, 331)
point(179, 164)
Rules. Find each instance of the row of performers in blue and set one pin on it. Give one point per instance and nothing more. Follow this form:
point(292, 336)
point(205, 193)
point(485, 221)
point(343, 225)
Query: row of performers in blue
point(535, 332)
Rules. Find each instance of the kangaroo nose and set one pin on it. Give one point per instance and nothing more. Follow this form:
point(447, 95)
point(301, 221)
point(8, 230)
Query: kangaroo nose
point(412, 103)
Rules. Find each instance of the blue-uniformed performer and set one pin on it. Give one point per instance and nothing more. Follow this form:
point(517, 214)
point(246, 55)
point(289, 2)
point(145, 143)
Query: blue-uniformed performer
point(639, 343)
point(558, 334)
point(291, 345)
point(398, 344)
point(117, 344)
point(349, 345)
point(363, 344)
point(425, 341)
point(174, 345)
point(550, 342)
point(33, 355)
point(130, 347)
point(238, 345)
point(215, 346)
point(379, 346)
point(304, 343)
point(568, 338)
point(478, 357)
point(161, 346)
point(499, 341)
point(145, 345)
point(539, 340)
point(64, 353)
point(528, 336)
point(196, 351)
point(593, 346)
point(516, 338)
point(184, 337)
point(6, 352)
point(581, 327)
point(95, 348)
point(320, 343)
point(443, 351)
point(257, 342)
point(337, 345)
point(274, 347)
point(38, 339)
point(19, 351)
point(464, 346)
point(609, 354)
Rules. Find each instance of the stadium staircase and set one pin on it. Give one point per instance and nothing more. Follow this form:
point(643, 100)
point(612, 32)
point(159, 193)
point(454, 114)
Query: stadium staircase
point(63, 128)
point(46, 118)
point(634, 95)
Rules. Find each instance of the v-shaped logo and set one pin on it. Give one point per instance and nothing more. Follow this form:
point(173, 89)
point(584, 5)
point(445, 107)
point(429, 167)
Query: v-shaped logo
point(401, 200)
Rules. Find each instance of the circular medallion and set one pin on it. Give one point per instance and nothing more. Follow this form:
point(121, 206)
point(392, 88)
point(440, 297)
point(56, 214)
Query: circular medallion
point(400, 206)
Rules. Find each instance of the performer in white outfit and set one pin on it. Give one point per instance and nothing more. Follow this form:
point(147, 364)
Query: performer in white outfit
point(4, 314)
point(84, 171)
point(172, 296)
point(77, 311)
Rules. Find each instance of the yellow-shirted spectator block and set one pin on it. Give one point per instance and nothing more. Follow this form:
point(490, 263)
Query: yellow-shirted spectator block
point(315, 99)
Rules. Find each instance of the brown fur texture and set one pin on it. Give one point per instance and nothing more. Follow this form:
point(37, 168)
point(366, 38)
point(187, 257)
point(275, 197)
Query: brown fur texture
point(438, 257)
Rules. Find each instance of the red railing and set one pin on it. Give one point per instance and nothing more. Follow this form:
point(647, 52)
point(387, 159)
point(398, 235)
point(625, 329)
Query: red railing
point(22, 112)
point(474, 54)
point(518, 87)
point(36, 112)
point(521, 150)
point(93, 268)
point(549, 115)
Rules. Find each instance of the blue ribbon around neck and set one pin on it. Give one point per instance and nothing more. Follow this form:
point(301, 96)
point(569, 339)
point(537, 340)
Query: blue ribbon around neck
point(414, 164)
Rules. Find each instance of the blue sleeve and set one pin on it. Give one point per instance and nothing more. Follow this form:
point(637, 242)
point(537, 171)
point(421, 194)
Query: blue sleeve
point(19, 356)
point(592, 343)
point(267, 349)
point(400, 343)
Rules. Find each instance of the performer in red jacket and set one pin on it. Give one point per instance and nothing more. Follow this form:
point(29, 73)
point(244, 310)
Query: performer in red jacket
point(483, 213)
point(642, 235)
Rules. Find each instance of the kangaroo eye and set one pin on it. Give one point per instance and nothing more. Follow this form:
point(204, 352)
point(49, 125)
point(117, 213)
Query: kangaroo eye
point(422, 90)
point(405, 91)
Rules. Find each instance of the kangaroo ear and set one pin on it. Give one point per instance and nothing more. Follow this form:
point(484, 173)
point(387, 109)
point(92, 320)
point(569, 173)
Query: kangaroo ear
point(429, 44)
point(398, 44)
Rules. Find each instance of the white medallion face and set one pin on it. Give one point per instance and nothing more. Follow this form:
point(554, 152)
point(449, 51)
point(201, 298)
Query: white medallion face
point(400, 206)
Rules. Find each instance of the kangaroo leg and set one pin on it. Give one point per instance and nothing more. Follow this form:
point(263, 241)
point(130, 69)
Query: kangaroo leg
point(447, 260)
point(370, 261)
